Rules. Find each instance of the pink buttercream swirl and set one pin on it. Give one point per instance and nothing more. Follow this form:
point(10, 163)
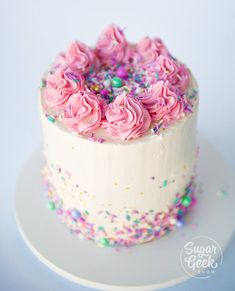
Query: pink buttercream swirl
point(126, 118)
point(84, 112)
point(149, 49)
point(60, 86)
point(162, 102)
point(112, 46)
point(176, 73)
point(82, 91)
point(79, 57)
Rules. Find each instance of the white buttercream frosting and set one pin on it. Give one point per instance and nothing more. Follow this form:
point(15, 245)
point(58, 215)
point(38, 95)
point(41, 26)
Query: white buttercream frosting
point(142, 174)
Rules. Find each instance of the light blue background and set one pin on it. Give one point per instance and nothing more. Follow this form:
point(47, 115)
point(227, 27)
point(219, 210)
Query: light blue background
point(200, 33)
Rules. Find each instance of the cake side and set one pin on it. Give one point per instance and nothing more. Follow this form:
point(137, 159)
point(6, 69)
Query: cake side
point(119, 130)
point(113, 186)
point(150, 169)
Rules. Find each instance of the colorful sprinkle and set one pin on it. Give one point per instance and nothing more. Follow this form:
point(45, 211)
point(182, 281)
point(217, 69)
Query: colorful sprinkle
point(138, 227)
point(101, 228)
point(179, 223)
point(75, 214)
point(164, 184)
point(43, 84)
point(222, 193)
point(104, 242)
point(128, 217)
point(186, 201)
point(51, 205)
point(117, 82)
point(121, 72)
point(51, 118)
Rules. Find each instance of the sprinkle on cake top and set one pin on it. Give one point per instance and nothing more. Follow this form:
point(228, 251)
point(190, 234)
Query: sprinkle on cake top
point(121, 88)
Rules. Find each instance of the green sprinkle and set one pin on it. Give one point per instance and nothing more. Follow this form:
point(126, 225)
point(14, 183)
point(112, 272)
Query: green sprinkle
point(101, 228)
point(51, 118)
point(43, 84)
point(180, 212)
point(76, 80)
point(176, 200)
point(51, 205)
point(164, 184)
point(156, 76)
point(104, 241)
point(136, 221)
point(222, 193)
point(128, 217)
point(87, 213)
point(186, 201)
point(91, 69)
point(111, 99)
point(117, 82)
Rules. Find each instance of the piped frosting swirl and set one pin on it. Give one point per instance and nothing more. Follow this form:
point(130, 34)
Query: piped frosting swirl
point(118, 87)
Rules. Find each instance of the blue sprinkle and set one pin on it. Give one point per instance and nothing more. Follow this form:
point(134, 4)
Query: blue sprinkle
point(75, 214)
point(180, 223)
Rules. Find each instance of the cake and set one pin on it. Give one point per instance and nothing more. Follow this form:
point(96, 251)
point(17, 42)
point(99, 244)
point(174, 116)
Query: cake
point(119, 139)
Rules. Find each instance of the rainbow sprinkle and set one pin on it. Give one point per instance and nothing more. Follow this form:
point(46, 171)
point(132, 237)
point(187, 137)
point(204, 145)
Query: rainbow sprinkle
point(137, 228)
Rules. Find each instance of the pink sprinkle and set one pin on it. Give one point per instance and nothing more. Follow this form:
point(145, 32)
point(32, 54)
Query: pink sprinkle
point(59, 211)
point(104, 92)
point(121, 72)
point(100, 140)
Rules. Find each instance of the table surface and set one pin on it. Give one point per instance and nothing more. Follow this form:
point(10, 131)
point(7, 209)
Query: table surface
point(200, 33)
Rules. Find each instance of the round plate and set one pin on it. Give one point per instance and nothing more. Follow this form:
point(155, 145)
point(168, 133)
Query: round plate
point(149, 266)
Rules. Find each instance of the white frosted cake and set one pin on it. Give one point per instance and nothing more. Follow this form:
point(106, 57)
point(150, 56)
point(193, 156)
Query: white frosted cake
point(119, 128)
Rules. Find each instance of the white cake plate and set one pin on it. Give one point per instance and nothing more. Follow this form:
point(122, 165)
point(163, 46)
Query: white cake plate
point(149, 266)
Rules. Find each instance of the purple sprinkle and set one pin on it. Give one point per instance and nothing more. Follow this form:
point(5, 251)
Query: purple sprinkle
point(72, 76)
point(104, 92)
point(100, 140)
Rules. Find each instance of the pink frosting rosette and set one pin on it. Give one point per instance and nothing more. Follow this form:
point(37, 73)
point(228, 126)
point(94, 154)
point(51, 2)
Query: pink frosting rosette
point(126, 118)
point(60, 86)
point(79, 57)
point(84, 112)
point(149, 49)
point(176, 73)
point(162, 103)
point(112, 45)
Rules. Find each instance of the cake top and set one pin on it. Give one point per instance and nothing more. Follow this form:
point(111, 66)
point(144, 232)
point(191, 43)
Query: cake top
point(117, 89)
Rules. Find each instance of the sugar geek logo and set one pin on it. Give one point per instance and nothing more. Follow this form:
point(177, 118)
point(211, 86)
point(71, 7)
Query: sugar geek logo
point(201, 256)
